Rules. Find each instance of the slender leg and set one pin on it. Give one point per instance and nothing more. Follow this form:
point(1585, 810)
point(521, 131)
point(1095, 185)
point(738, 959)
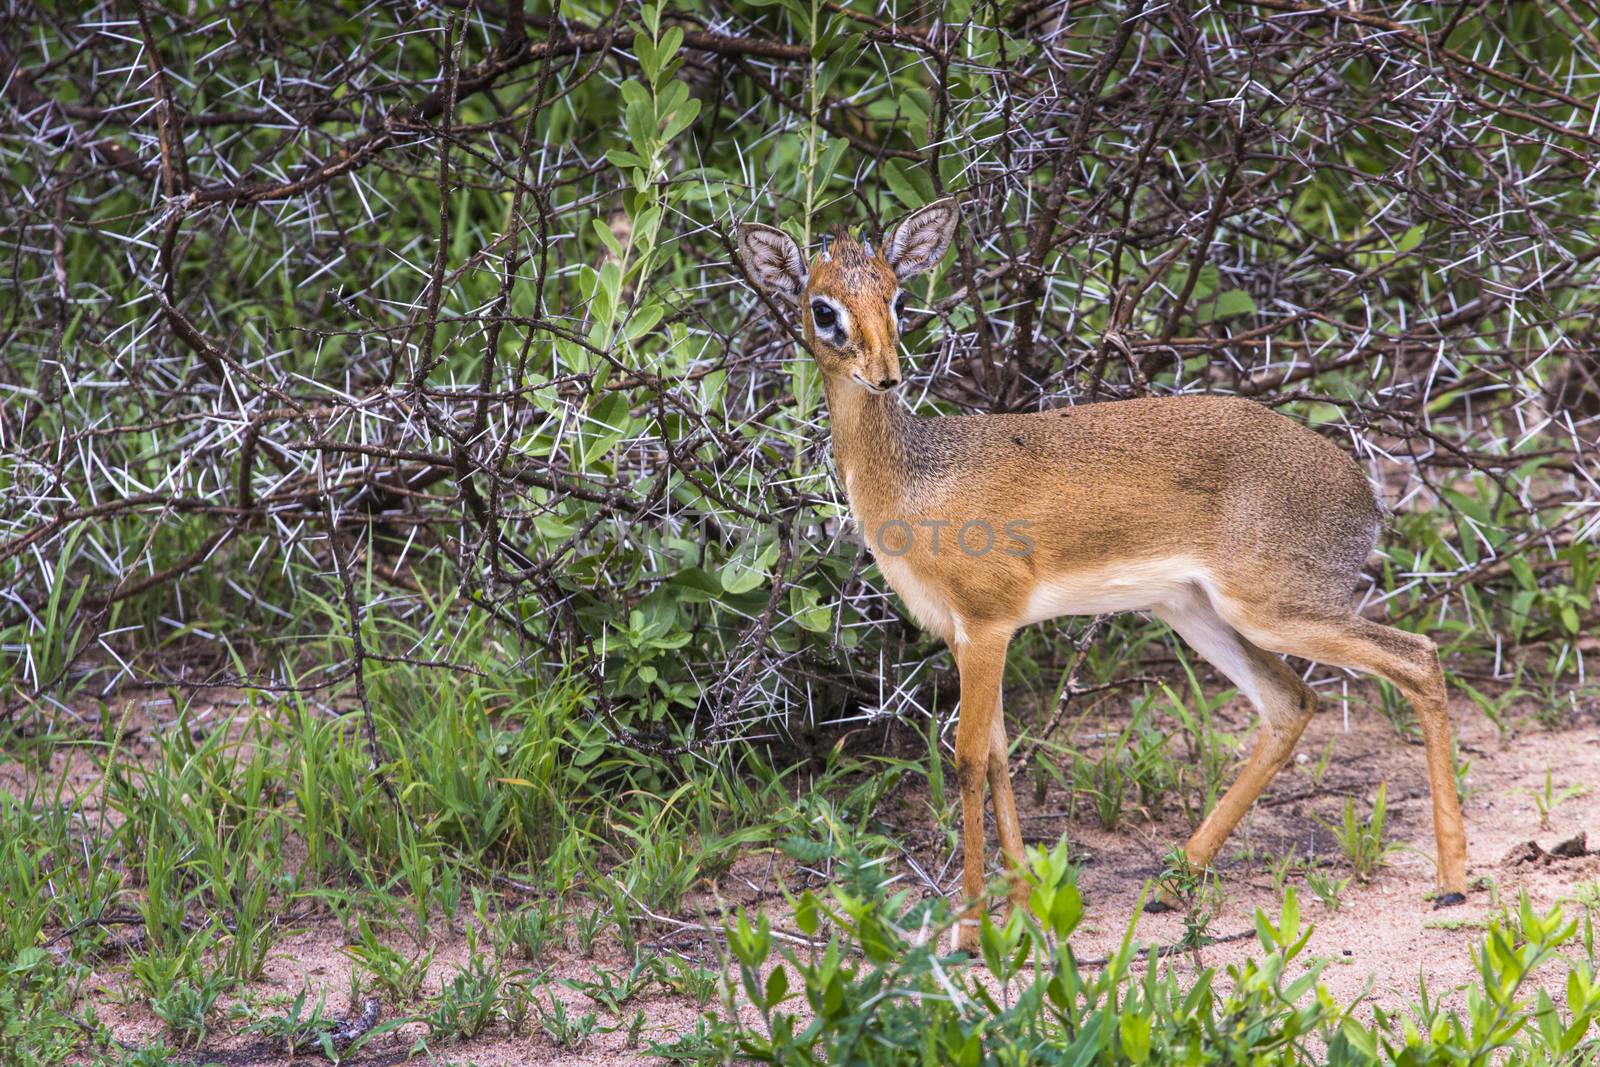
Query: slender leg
point(1411, 662)
point(1450, 836)
point(981, 660)
point(1287, 705)
point(1005, 803)
point(1284, 703)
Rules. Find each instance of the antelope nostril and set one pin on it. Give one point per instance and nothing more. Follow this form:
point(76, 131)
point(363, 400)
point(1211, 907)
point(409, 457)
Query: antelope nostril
point(888, 383)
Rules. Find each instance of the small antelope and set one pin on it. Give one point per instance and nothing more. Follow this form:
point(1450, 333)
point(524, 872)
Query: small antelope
point(1243, 531)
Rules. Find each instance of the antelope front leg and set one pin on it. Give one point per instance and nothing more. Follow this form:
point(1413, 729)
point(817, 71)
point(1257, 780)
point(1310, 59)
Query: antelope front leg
point(981, 660)
point(1001, 795)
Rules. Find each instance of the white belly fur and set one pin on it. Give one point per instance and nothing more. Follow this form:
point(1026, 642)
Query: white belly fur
point(1126, 585)
point(1140, 585)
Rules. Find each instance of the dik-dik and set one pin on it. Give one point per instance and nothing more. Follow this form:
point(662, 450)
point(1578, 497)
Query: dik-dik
point(1243, 531)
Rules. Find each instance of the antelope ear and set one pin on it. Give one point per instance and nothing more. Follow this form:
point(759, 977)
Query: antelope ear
point(921, 240)
point(773, 260)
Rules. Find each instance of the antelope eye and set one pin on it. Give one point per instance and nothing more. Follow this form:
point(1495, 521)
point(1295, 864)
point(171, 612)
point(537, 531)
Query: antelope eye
point(900, 306)
point(823, 315)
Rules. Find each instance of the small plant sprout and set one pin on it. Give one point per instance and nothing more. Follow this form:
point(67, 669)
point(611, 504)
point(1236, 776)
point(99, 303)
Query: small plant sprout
point(567, 1028)
point(1319, 769)
point(1280, 868)
point(1328, 888)
point(1548, 798)
point(1197, 893)
point(1362, 840)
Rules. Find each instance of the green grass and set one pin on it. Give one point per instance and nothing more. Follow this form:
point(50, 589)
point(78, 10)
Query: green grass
point(882, 972)
point(501, 812)
point(215, 837)
point(215, 832)
point(1362, 840)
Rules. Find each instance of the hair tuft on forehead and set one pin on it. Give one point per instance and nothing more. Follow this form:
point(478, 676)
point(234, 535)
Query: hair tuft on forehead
point(845, 250)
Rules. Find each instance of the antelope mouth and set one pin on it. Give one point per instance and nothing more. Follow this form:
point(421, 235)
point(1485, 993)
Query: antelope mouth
point(859, 380)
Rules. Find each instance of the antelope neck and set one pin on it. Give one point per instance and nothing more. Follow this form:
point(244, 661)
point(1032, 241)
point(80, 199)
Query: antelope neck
point(869, 439)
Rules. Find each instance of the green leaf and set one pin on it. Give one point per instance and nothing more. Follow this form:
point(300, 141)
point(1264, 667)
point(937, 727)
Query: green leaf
point(800, 12)
point(805, 850)
point(682, 117)
point(749, 570)
point(738, 578)
point(806, 915)
point(645, 226)
point(1227, 305)
point(1522, 571)
point(607, 238)
point(640, 118)
point(1206, 283)
point(1066, 911)
point(620, 157)
point(832, 153)
point(777, 985)
point(552, 528)
point(910, 185)
point(608, 423)
point(642, 321)
point(645, 49)
point(809, 613)
point(1411, 239)
point(671, 41)
point(1135, 1030)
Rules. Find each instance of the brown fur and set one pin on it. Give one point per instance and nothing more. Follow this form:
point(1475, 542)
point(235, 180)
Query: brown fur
point(1249, 530)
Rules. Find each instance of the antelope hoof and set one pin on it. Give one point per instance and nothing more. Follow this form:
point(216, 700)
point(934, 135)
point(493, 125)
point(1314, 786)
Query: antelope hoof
point(1157, 906)
point(1448, 900)
point(967, 937)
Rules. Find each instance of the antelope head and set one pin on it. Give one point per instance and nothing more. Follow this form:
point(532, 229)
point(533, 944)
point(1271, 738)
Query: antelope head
point(848, 299)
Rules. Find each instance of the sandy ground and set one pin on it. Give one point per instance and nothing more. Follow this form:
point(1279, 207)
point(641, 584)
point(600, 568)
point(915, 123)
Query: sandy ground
point(1377, 943)
point(1384, 933)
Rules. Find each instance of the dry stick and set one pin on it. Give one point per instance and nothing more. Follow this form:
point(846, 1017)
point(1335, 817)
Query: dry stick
point(430, 315)
point(169, 122)
point(758, 634)
point(18, 82)
point(1020, 762)
point(104, 603)
point(876, 148)
point(358, 653)
point(708, 929)
point(1122, 303)
point(175, 182)
point(1499, 561)
point(1162, 951)
point(510, 264)
point(1219, 202)
point(512, 56)
point(1039, 237)
point(1035, 156)
point(352, 1028)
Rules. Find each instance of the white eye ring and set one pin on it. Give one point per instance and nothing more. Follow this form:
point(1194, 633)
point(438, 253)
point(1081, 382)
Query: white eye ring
point(839, 327)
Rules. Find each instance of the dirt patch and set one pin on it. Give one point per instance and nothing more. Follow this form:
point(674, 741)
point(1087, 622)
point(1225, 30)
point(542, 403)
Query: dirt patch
point(1381, 938)
point(1385, 932)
